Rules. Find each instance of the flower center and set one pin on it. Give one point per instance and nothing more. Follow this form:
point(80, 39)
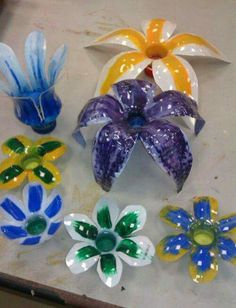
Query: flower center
point(136, 120)
point(105, 241)
point(156, 51)
point(36, 225)
point(30, 162)
point(203, 234)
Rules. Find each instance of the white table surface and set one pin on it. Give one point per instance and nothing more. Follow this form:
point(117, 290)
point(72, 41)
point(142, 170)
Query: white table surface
point(77, 23)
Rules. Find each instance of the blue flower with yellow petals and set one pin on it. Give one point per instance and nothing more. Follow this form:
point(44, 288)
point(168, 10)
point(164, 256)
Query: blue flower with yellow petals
point(202, 236)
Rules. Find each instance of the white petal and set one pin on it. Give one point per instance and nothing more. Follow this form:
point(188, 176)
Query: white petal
point(28, 199)
point(113, 211)
point(6, 214)
point(167, 29)
point(56, 64)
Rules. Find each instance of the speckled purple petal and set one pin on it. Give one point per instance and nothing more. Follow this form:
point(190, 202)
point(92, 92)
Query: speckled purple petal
point(134, 94)
point(169, 148)
point(112, 148)
point(102, 109)
point(174, 103)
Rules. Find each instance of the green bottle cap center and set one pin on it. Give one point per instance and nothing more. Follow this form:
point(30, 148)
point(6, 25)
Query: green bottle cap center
point(204, 236)
point(30, 162)
point(36, 225)
point(105, 241)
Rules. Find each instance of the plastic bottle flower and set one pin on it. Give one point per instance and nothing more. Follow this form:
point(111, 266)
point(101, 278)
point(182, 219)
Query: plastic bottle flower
point(107, 240)
point(158, 53)
point(36, 103)
point(32, 160)
point(35, 220)
point(136, 114)
point(202, 236)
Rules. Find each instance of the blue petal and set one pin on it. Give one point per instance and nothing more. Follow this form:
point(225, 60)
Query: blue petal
point(54, 206)
point(176, 217)
point(13, 232)
point(227, 223)
point(56, 64)
point(12, 209)
point(34, 196)
point(202, 209)
point(174, 244)
point(202, 258)
point(54, 227)
point(31, 240)
point(227, 248)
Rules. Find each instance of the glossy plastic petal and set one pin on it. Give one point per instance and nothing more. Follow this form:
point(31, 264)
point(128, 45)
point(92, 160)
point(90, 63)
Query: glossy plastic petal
point(188, 44)
point(12, 232)
point(35, 57)
point(126, 65)
point(11, 70)
point(227, 223)
point(110, 269)
point(173, 247)
point(205, 208)
point(80, 227)
point(81, 257)
point(227, 249)
point(111, 151)
point(203, 265)
point(131, 220)
point(105, 213)
point(136, 251)
point(158, 30)
point(126, 37)
point(50, 148)
point(11, 174)
point(53, 205)
point(176, 217)
point(56, 64)
point(34, 195)
point(12, 208)
point(169, 148)
point(134, 94)
point(16, 145)
point(102, 109)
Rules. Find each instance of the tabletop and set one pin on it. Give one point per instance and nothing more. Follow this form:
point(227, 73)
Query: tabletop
point(77, 23)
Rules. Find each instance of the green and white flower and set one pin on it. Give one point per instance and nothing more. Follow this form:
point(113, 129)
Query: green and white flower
point(108, 239)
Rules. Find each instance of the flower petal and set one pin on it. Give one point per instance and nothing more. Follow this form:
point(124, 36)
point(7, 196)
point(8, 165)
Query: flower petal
point(56, 64)
point(227, 223)
point(53, 205)
point(136, 251)
point(31, 240)
point(34, 196)
point(193, 45)
point(110, 269)
point(16, 145)
point(47, 174)
point(158, 30)
point(205, 208)
point(126, 37)
point(11, 174)
point(131, 220)
point(176, 217)
point(174, 103)
point(126, 65)
point(12, 232)
point(54, 226)
point(173, 247)
point(11, 70)
point(50, 148)
point(105, 213)
point(203, 266)
point(80, 227)
point(227, 249)
point(35, 58)
point(169, 148)
point(11, 208)
point(81, 257)
point(111, 151)
point(134, 94)
point(5, 88)
point(98, 110)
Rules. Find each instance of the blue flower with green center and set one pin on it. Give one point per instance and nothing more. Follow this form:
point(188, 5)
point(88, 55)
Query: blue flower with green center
point(33, 221)
point(202, 235)
point(107, 239)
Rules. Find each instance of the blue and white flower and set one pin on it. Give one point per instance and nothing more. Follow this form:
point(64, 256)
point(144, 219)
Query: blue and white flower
point(33, 221)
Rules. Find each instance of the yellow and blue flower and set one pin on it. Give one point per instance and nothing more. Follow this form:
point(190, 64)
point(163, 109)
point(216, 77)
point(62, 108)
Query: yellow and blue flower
point(202, 235)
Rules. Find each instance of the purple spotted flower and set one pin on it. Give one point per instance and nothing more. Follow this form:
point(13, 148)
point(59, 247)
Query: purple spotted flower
point(135, 113)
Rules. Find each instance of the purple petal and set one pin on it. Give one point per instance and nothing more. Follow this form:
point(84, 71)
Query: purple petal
point(134, 94)
point(112, 148)
point(101, 109)
point(174, 103)
point(169, 148)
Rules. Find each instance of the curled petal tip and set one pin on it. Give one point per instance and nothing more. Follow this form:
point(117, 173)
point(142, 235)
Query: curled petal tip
point(199, 125)
point(78, 137)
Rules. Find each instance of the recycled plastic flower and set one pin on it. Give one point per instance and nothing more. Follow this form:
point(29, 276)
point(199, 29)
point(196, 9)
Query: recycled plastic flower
point(35, 220)
point(36, 103)
point(202, 236)
point(136, 114)
point(157, 49)
point(30, 160)
point(108, 240)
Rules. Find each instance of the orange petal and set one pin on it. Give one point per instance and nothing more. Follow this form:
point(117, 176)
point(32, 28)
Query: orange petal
point(158, 30)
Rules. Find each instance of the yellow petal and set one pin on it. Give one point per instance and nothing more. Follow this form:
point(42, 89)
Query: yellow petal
point(207, 206)
point(154, 29)
point(11, 174)
point(16, 145)
point(50, 148)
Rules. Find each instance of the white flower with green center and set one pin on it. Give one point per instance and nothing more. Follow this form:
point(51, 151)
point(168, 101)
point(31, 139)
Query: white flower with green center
point(108, 239)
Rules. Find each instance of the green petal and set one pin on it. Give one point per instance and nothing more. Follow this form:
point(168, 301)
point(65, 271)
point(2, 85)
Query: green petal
point(15, 145)
point(130, 248)
point(86, 253)
point(10, 173)
point(44, 174)
point(103, 217)
point(85, 230)
point(130, 221)
point(108, 265)
point(49, 147)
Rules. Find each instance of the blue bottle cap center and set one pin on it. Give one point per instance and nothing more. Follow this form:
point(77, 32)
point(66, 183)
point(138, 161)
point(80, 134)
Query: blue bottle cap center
point(36, 225)
point(105, 241)
point(136, 120)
